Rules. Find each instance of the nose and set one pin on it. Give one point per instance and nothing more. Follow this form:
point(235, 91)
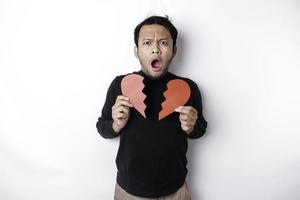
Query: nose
point(155, 49)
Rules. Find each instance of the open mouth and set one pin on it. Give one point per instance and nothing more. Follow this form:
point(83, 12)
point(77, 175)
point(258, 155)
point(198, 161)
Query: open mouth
point(156, 64)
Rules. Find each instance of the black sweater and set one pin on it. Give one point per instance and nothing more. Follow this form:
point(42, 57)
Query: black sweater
point(151, 159)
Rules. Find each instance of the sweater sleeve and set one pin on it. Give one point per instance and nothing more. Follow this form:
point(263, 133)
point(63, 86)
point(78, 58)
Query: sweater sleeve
point(201, 123)
point(104, 124)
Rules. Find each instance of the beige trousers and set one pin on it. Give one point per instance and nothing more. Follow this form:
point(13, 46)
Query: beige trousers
point(181, 194)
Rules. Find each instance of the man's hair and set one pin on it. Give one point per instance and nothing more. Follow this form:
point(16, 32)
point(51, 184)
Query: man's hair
point(163, 21)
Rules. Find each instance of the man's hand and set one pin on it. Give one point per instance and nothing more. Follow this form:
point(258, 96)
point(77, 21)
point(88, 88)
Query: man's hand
point(188, 117)
point(120, 113)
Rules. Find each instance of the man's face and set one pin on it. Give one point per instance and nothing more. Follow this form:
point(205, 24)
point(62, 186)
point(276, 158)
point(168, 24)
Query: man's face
point(155, 50)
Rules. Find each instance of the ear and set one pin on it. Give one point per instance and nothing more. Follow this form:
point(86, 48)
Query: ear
point(136, 51)
point(174, 51)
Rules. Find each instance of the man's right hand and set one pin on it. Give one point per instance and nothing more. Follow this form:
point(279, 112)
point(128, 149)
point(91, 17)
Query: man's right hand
point(120, 113)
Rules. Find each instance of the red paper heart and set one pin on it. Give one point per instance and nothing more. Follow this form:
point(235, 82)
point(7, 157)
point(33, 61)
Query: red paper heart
point(132, 86)
point(177, 94)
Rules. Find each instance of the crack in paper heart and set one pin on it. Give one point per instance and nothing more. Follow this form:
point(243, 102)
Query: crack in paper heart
point(177, 94)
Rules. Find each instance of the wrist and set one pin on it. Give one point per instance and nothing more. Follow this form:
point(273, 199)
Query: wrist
point(115, 127)
point(189, 131)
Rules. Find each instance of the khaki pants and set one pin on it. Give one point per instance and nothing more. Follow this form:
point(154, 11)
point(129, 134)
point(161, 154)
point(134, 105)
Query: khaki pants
point(181, 194)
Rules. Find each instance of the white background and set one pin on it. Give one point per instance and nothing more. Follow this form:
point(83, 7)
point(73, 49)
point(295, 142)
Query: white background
point(57, 59)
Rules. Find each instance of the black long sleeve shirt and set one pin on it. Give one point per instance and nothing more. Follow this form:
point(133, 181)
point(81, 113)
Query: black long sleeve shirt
point(151, 158)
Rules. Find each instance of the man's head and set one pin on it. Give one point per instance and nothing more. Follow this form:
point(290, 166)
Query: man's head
point(155, 40)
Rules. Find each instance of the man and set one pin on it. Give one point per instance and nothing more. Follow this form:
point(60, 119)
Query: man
point(151, 159)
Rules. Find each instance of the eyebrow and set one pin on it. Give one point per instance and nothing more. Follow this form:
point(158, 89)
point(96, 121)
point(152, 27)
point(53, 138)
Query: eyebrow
point(163, 38)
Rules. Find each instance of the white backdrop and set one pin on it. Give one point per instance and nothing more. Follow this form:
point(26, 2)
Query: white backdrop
point(57, 59)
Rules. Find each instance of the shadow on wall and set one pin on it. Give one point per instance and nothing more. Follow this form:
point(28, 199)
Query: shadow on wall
point(179, 60)
point(178, 67)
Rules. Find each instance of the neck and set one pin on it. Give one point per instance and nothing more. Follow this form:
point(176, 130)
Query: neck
point(153, 78)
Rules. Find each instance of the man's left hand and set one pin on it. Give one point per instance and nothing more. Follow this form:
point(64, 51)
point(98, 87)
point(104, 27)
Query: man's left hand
point(188, 116)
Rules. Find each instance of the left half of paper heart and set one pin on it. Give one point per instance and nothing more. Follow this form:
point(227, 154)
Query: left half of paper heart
point(132, 87)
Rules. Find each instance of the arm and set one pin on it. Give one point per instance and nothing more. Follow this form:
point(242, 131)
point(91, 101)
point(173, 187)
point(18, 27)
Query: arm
point(105, 122)
point(201, 123)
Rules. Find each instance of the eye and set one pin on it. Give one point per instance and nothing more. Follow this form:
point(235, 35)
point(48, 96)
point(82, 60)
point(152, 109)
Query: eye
point(164, 42)
point(146, 43)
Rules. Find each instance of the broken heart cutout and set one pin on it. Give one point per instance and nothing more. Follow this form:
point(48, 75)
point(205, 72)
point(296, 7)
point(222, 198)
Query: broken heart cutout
point(177, 94)
point(132, 86)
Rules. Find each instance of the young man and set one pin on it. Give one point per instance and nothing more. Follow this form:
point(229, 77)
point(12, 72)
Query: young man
point(151, 159)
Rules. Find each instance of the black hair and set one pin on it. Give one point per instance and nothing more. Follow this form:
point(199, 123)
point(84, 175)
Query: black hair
point(163, 21)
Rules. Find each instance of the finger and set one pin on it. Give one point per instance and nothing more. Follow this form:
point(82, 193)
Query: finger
point(122, 97)
point(123, 100)
point(185, 109)
point(121, 115)
point(185, 128)
point(183, 117)
point(188, 117)
point(123, 109)
point(124, 103)
point(184, 123)
point(188, 122)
